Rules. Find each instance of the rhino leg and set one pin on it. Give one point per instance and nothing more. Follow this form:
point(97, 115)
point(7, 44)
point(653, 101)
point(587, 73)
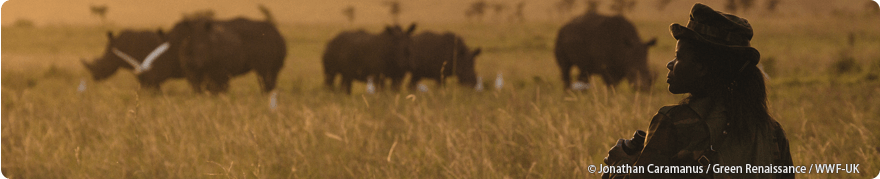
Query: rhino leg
point(195, 81)
point(396, 83)
point(640, 84)
point(611, 79)
point(329, 77)
point(566, 77)
point(641, 80)
point(380, 83)
point(413, 82)
point(441, 82)
point(150, 85)
point(397, 80)
point(346, 84)
point(585, 73)
point(565, 70)
point(218, 84)
point(268, 80)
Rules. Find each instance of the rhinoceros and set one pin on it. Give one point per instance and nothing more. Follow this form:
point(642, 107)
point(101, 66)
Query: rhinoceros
point(437, 56)
point(360, 55)
point(606, 45)
point(136, 50)
point(213, 51)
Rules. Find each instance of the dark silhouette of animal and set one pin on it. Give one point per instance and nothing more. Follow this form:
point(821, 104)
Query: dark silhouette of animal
point(359, 55)
point(606, 45)
point(437, 56)
point(212, 51)
point(128, 51)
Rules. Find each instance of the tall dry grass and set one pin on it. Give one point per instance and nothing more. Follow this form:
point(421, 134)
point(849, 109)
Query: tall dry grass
point(529, 129)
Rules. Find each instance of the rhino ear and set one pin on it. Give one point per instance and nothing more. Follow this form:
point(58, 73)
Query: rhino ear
point(651, 42)
point(86, 64)
point(477, 52)
point(390, 29)
point(411, 29)
point(160, 32)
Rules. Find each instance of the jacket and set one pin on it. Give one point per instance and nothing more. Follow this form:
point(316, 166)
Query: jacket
point(694, 135)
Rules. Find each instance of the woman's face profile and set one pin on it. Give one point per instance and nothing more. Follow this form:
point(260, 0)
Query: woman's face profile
point(684, 73)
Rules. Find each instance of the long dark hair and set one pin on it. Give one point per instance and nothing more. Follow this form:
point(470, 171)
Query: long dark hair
point(741, 90)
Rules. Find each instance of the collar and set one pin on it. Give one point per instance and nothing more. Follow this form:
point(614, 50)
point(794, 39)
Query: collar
point(706, 107)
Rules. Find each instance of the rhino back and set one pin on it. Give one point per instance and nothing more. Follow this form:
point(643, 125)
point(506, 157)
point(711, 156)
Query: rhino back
point(240, 45)
point(259, 43)
point(357, 54)
point(429, 50)
point(259, 37)
point(137, 44)
point(595, 40)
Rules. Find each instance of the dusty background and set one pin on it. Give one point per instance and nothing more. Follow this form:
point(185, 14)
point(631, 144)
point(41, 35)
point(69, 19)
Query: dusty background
point(823, 88)
point(128, 13)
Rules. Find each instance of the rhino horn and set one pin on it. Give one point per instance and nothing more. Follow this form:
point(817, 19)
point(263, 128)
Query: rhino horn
point(161, 33)
point(411, 29)
point(86, 64)
point(651, 42)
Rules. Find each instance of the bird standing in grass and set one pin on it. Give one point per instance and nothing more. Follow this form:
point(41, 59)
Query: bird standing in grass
point(499, 82)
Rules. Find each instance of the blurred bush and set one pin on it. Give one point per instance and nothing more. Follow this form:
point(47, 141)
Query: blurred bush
point(23, 23)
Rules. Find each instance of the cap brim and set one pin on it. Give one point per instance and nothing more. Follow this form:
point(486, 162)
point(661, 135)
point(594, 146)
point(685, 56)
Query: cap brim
point(746, 52)
point(678, 32)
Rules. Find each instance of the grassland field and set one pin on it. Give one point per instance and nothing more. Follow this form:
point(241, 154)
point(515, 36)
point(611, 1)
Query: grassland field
point(823, 91)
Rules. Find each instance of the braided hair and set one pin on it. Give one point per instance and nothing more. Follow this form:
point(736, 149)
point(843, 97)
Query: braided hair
point(738, 85)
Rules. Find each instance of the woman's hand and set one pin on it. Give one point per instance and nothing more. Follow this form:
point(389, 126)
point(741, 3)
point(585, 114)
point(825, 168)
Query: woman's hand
point(616, 155)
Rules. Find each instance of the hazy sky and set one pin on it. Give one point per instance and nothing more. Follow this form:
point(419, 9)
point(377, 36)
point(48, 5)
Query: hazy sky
point(166, 12)
point(162, 12)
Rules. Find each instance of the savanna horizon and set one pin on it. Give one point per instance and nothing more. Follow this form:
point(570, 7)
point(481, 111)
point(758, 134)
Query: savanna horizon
point(822, 90)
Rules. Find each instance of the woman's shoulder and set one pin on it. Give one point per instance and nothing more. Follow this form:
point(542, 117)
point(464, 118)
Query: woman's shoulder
point(667, 108)
point(678, 111)
point(674, 117)
point(695, 107)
